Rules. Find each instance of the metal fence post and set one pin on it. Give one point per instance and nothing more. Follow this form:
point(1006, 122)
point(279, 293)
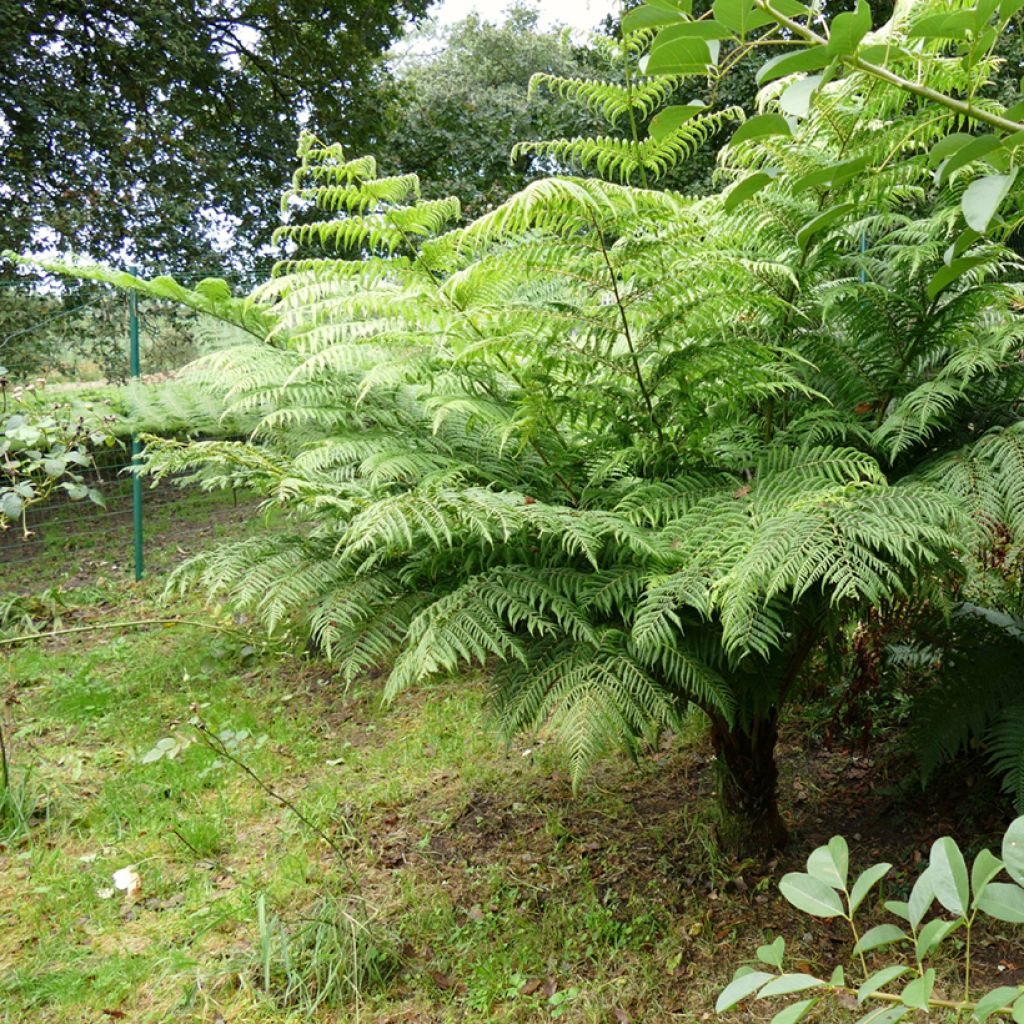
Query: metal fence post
point(133, 357)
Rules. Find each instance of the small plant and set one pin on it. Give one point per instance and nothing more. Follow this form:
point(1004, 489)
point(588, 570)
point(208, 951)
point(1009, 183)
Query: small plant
point(44, 448)
point(327, 958)
point(907, 982)
point(19, 798)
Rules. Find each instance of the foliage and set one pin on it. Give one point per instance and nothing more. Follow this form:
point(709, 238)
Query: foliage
point(46, 448)
point(638, 449)
point(965, 691)
point(824, 891)
point(147, 128)
point(460, 103)
point(332, 956)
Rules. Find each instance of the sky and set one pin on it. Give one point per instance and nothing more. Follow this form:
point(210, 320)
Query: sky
point(578, 14)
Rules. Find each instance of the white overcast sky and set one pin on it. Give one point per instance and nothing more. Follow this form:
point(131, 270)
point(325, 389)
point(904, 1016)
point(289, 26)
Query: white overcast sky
point(578, 14)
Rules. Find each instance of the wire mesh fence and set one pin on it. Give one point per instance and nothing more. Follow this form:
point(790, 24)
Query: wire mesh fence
point(76, 350)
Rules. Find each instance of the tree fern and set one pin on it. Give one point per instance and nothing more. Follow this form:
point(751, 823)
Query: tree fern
point(625, 448)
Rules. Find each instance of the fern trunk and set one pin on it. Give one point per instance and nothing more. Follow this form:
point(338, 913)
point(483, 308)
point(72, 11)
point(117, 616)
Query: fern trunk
point(748, 785)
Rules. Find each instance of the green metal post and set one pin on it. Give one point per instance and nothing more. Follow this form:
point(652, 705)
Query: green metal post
point(133, 356)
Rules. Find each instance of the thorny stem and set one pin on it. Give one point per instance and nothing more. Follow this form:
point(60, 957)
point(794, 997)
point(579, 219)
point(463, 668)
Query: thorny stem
point(217, 745)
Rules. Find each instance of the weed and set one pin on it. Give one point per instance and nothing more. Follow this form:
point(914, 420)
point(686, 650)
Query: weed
point(332, 956)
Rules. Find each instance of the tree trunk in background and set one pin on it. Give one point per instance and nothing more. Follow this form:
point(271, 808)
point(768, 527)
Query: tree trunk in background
point(748, 779)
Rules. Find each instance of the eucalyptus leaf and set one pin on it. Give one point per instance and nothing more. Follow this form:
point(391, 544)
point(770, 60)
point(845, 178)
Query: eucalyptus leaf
point(880, 979)
point(811, 895)
point(997, 999)
point(795, 1012)
point(865, 882)
point(1013, 850)
point(986, 866)
point(773, 952)
point(919, 991)
point(880, 935)
point(949, 876)
point(922, 895)
point(741, 987)
point(1003, 901)
point(788, 984)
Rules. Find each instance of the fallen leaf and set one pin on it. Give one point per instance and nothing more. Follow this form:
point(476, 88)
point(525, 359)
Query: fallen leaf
point(531, 986)
point(444, 981)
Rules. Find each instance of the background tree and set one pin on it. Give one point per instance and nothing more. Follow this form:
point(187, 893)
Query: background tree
point(147, 130)
point(460, 104)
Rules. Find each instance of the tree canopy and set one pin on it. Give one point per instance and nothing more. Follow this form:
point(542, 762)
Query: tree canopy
point(143, 130)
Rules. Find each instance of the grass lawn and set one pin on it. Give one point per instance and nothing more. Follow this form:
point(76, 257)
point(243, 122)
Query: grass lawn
point(423, 873)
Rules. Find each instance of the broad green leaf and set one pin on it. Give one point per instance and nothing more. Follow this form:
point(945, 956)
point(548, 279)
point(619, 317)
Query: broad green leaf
point(830, 176)
point(810, 895)
point(951, 25)
point(964, 241)
point(848, 29)
point(822, 221)
point(773, 952)
point(885, 1015)
point(919, 991)
point(647, 16)
point(880, 935)
point(822, 865)
point(865, 882)
point(921, 897)
point(796, 100)
point(788, 984)
point(703, 29)
point(986, 866)
point(983, 197)
point(794, 1013)
point(667, 121)
point(976, 149)
point(947, 146)
point(997, 999)
point(1018, 1011)
point(883, 53)
point(1013, 850)
point(933, 934)
point(945, 276)
point(740, 988)
point(879, 980)
point(899, 908)
point(1008, 8)
point(838, 978)
point(743, 190)
point(812, 59)
point(949, 876)
point(10, 505)
point(759, 126)
point(740, 16)
point(1003, 901)
point(677, 55)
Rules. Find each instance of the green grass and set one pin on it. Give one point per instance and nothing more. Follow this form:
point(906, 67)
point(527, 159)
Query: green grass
point(462, 881)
